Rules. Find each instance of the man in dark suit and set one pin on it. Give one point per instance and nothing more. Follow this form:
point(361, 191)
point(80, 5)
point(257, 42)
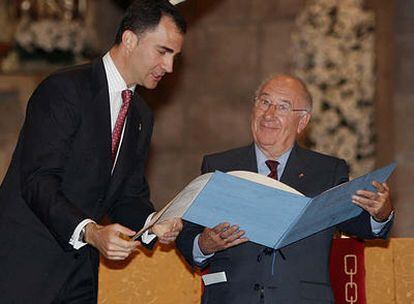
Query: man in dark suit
point(81, 156)
point(245, 272)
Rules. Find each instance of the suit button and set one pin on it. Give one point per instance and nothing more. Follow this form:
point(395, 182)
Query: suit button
point(100, 200)
point(76, 255)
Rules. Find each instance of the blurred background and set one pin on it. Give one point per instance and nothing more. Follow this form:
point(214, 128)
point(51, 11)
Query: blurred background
point(356, 57)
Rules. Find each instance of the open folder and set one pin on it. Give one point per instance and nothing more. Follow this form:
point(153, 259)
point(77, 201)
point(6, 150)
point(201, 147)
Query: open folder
point(272, 213)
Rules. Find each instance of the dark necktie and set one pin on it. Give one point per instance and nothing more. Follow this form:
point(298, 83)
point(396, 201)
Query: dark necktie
point(272, 165)
point(120, 120)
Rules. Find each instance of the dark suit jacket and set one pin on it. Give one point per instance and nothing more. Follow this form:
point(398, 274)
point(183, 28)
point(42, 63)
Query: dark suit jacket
point(60, 174)
point(298, 273)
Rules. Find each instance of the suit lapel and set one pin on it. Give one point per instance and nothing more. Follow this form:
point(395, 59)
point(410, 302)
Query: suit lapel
point(101, 113)
point(243, 159)
point(130, 138)
point(296, 169)
point(250, 161)
point(128, 145)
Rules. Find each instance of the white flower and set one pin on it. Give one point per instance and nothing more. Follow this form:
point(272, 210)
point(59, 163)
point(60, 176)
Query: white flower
point(335, 57)
point(50, 35)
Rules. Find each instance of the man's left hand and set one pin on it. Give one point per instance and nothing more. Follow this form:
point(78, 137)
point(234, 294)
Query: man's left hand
point(168, 230)
point(377, 204)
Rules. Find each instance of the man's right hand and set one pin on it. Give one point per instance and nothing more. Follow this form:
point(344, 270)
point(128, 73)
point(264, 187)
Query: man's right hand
point(109, 241)
point(220, 237)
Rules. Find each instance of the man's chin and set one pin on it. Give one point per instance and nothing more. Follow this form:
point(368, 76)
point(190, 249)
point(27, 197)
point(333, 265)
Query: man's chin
point(267, 141)
point(151, 85)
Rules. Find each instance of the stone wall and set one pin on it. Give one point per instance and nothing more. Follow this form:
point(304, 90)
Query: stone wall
point(403, 99)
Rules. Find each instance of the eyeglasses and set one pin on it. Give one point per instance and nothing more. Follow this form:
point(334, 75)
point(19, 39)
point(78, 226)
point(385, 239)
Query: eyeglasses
point(281, 108)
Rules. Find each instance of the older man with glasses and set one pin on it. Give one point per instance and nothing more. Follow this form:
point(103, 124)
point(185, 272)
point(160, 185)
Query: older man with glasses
point(245, 272)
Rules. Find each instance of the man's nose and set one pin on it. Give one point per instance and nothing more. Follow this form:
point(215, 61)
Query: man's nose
point(168, 64)
point(271, 110)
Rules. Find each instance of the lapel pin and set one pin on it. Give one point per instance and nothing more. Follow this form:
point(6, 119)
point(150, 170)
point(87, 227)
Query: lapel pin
point(301, 175)
point(139, 127)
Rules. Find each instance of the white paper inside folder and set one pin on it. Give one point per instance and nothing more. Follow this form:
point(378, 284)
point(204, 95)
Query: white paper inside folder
point(179, 204)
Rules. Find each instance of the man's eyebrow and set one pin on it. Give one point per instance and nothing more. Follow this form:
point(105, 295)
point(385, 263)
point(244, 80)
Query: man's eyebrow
point(285, 101)
point(167, 49)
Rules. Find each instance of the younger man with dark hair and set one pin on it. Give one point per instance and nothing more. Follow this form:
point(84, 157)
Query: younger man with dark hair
point(80, 156)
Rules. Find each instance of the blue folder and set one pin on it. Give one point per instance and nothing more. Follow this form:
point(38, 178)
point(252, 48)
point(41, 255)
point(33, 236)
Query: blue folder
point(273, 217)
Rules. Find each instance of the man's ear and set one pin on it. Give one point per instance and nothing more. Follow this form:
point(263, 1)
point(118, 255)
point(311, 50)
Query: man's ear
point(303, 122)
point(129, 40)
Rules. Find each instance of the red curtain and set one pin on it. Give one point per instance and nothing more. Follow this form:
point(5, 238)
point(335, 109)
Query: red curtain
point(347, 270)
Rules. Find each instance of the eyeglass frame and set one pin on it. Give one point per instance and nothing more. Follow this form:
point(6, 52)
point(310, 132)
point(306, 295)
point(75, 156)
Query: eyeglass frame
point(258, 99)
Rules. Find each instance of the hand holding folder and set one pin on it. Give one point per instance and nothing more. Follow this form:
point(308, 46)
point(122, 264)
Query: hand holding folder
point(272, 213)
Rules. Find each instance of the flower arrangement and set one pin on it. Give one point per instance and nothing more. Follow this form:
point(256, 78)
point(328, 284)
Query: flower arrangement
point(47, 41)
point(51, 35)
point(47, 36)
point(334, 55)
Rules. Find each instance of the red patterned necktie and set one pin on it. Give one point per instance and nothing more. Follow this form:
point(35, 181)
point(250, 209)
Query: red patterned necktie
point(120, 120)
point(272, 165)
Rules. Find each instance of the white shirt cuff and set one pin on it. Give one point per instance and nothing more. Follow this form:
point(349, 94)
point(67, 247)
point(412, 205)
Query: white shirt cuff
point(198, 256)
point(147, 237)
point(377, 226)
point(74, 239)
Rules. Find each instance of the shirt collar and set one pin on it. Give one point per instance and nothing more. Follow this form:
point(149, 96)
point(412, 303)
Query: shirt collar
point(115, 81)
point(261, 160)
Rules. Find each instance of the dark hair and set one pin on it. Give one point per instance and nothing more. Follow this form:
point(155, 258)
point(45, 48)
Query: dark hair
point(143, 15)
